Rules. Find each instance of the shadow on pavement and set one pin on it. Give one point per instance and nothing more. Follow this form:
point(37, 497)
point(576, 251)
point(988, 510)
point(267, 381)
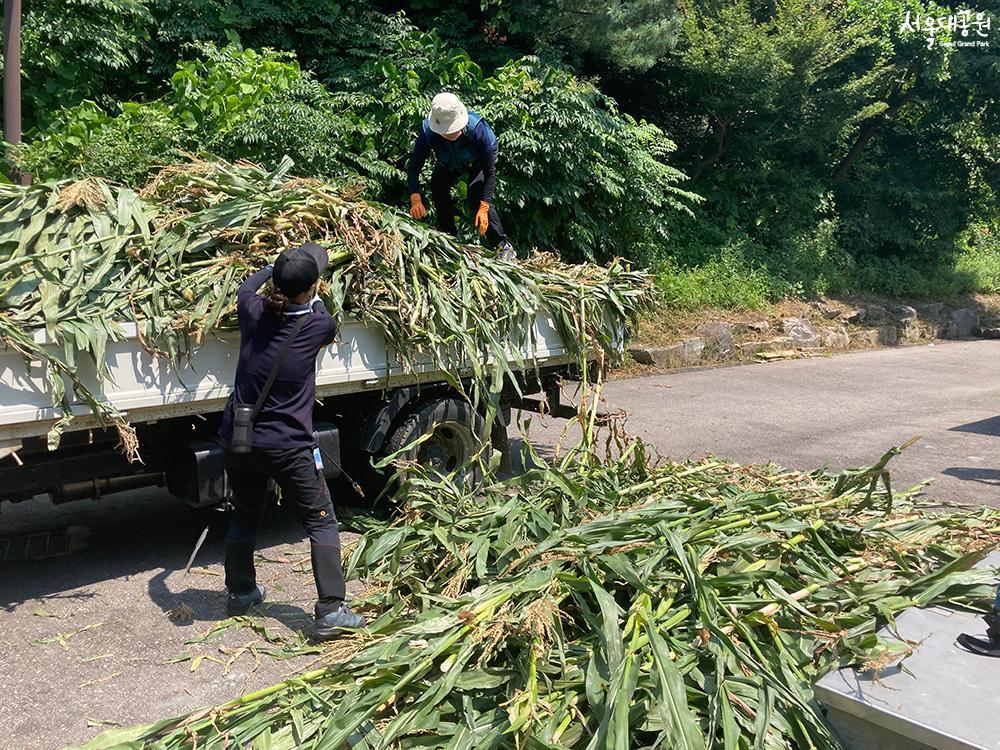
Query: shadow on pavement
point(989, 426)
point(137, 538)
point(209, 605)
point(975, 474)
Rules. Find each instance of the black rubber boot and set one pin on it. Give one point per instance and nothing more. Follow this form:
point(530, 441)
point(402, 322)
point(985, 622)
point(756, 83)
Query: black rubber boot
point(240, 604)
point(979, 646)
point(989, 646)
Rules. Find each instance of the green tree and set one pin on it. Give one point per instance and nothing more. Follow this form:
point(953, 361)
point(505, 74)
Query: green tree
point(630, 34)
point(920, 161)
point(80, 49)
point(817, 127)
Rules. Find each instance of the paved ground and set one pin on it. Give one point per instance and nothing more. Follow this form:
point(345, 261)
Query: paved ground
point(842, 411)
point(124, 610)
point(111, 600)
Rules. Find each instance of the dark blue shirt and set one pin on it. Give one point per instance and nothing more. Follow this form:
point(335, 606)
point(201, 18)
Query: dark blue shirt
point(286, 418)
point(474, 151)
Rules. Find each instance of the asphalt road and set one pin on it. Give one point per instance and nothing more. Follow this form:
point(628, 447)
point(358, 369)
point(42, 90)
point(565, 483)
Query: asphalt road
point(842, 412)
point(89, 639)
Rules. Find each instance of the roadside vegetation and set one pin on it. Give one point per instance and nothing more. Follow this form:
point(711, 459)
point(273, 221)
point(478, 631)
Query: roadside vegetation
point(744, 152)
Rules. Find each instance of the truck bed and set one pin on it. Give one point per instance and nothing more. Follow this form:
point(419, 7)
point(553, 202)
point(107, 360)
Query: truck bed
point(147, 388)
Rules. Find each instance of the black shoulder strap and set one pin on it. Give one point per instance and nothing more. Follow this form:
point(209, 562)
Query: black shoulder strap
point(277, 364)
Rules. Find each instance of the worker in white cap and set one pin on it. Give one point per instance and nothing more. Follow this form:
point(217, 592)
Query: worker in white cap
point(464, 145)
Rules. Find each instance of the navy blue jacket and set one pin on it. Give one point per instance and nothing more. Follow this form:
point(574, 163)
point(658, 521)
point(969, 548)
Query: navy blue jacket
point(473, 152)
point(286, 418)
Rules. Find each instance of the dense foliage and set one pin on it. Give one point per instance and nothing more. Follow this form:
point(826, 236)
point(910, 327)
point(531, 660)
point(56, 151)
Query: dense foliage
point(833, 148)
point(78, 49)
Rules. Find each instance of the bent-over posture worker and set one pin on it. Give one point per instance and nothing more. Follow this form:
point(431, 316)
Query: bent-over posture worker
point(464, 145)
point(280, 337)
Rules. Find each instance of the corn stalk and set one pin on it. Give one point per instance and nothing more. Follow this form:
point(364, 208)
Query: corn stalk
point(566, 609)
point(77, 259)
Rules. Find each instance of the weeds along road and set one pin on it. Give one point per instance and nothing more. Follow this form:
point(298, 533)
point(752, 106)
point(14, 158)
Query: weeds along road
point(92, 638)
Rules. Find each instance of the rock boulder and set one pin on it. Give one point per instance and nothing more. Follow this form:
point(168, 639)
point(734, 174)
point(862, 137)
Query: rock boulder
point(962, 323)
point(801, 333)
point(677, 355)
point(930, 311)
point(718, 338)
point(835, 338)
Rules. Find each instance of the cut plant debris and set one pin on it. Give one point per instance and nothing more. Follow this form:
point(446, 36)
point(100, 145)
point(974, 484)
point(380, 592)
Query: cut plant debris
point(611, 601)
point(79, 258)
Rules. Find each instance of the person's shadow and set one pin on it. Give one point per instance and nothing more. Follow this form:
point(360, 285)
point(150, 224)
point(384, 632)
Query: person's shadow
point(975, 474)
point(193, 605)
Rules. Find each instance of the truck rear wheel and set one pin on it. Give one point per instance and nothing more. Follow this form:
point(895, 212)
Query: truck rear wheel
point(456, 441)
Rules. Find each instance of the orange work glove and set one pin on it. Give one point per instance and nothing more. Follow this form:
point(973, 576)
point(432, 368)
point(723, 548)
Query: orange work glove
point(483, 217)
point(417, 210)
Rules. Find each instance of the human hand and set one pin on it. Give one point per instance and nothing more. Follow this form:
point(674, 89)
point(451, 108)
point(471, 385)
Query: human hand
point(482, 220)
point(417, 210)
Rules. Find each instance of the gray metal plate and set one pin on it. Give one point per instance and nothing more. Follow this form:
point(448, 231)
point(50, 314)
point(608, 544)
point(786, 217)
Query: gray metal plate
point(947, 698)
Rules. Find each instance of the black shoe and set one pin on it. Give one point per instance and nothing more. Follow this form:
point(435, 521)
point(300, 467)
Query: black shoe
point(333, 623)
point(239, 604)
point(979, 645)
point(993, 626)
point(507, 252)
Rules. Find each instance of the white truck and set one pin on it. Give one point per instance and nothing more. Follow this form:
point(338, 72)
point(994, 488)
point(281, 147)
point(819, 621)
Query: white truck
point(368, 403)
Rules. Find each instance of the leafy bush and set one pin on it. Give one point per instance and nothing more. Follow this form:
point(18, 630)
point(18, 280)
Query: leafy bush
point(57, 151)
point(241, 104)
point(89, 142)
point(980, 258)
point(574, 174)
point(743, 276)
point(726, 282)
point(233, 103)
point(129, 146)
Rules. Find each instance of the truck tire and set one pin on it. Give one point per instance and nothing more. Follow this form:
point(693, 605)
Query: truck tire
point(457, 437)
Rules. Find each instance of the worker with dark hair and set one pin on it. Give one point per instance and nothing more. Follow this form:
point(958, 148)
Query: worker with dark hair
point(464, 145)
point(280, 337)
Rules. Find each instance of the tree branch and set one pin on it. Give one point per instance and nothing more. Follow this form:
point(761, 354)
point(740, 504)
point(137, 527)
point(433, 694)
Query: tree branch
point(870, 131)
point(720, 131)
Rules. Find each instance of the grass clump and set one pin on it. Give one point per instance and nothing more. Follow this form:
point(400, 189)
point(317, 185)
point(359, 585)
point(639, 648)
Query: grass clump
point(748, 276)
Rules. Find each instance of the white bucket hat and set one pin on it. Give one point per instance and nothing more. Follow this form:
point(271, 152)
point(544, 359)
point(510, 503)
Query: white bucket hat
point(448, 115)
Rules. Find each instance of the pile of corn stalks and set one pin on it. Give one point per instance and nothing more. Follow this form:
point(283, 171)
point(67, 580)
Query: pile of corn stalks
point(613, 603)
point(79, 258)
